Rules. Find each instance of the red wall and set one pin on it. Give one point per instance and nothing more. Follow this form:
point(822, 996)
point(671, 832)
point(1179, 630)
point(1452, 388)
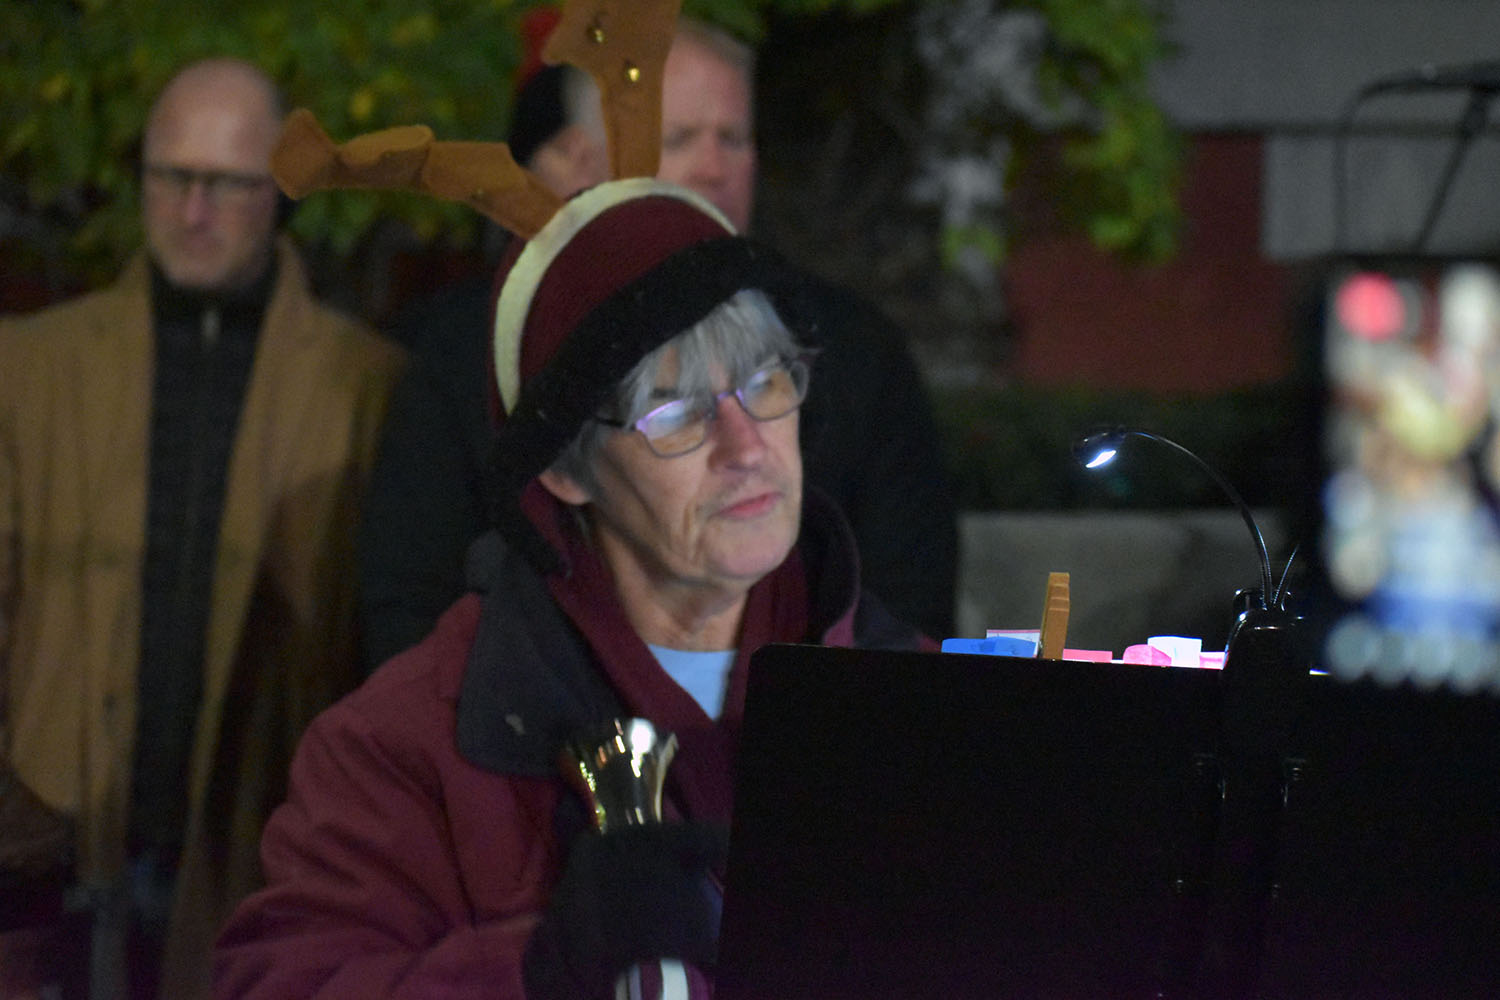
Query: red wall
point(1214, 318)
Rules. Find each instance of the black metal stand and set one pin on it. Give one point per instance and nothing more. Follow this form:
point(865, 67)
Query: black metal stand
point(1469, 127)
point(1264, 689)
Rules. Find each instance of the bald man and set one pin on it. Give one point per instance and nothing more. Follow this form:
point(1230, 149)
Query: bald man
point(182, 455)
point(868, 436)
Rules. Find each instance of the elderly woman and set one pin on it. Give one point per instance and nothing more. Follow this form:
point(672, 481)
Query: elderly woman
point(652, 532)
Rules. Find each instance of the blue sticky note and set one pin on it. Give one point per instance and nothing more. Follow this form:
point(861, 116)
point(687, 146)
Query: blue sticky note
point(997, 646)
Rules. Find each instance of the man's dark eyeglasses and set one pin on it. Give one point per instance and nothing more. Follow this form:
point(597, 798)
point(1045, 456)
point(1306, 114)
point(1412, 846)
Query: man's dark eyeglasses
point(675, 428)
point(219, 186)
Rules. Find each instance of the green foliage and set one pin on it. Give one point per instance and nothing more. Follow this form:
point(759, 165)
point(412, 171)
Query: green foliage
point(76, 77)
point(1122, 170)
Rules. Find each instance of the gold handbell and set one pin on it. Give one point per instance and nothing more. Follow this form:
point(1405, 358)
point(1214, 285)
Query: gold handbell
point(619, 769)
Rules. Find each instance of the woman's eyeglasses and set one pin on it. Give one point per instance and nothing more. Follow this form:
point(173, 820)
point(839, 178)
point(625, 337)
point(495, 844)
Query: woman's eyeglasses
point(680, 426)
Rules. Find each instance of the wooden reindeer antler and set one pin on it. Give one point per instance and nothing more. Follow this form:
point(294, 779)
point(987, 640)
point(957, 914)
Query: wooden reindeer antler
point(481, 174)
point(625, 53)
point(622, 44)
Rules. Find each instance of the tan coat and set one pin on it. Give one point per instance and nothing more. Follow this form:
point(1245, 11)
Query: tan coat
point(75, 388)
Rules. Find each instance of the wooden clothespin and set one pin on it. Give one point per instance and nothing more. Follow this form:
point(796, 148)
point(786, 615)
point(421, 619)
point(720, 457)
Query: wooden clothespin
point(1055, 617)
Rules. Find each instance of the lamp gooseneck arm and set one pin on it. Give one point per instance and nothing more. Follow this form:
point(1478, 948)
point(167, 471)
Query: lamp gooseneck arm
point(1268, 593)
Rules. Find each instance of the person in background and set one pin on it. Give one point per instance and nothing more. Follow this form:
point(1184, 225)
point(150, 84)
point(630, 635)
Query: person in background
point(182, 457)
point(651, 532)
point(868, 437)
point(429, 492)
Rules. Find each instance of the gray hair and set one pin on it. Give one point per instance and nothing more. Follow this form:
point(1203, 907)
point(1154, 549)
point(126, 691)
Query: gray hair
point(581, 104)
point(723, 45)
point(737, 337)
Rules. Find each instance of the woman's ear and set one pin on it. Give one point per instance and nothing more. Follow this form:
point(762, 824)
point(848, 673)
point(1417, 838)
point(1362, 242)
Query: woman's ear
point(564, 487)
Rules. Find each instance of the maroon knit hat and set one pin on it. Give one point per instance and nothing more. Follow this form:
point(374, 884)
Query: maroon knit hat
point(622, 269)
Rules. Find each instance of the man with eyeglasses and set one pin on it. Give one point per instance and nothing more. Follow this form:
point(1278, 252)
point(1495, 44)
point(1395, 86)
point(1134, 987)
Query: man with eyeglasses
point(652, 531)
point(182, 456)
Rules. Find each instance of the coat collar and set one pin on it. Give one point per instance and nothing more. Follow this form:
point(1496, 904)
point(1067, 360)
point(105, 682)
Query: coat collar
point(535, 674)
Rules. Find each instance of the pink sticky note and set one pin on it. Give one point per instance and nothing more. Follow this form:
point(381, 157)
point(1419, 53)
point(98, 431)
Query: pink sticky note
point(1092, 655)
point(1144, 653)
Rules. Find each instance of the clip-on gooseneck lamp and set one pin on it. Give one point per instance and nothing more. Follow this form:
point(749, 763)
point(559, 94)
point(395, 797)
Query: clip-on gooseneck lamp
point(1265, 681)
point(1262, 608)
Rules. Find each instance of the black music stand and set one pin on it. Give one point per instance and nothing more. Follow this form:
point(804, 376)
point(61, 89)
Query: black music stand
point(967, 826)
point(1388, 870)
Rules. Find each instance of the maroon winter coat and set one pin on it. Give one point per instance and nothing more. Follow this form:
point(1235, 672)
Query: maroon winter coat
point(416, 851)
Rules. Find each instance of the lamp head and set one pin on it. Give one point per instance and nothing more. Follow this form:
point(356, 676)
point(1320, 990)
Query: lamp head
point(1098, 450)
